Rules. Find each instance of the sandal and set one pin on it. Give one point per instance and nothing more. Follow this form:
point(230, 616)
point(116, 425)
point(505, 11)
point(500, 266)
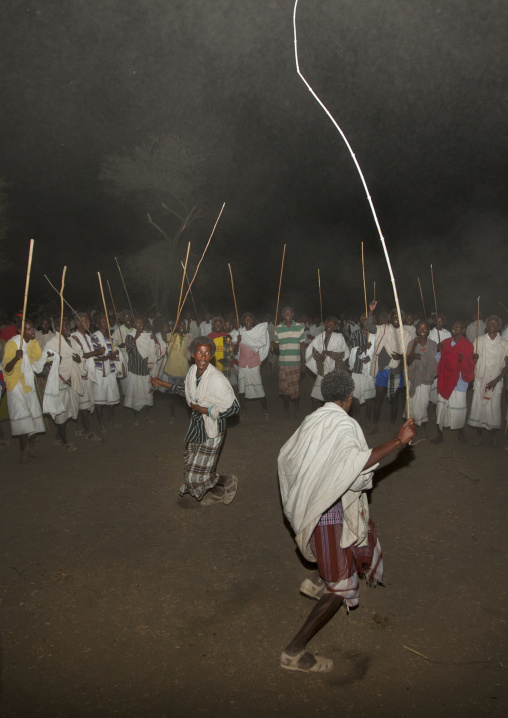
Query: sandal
point(70, 447)
point(231, 489)
point(79, 432)
point(310, 589)
point(210, 499)
point(93, 437)
point(290, 663)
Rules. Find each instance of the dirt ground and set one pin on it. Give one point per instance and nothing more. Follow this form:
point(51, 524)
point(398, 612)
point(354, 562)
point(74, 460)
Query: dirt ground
point(118, 598)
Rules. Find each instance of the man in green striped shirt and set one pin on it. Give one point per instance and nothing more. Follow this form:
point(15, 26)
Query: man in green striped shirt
point(290, 339)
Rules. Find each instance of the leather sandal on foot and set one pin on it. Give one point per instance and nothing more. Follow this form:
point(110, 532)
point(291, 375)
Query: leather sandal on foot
point(291, 663)
point(69, 447)
point(231, 489)
point(211, 498)
point(311, 590)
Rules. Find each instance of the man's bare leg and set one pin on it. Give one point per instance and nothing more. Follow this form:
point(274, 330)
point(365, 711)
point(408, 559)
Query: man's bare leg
point(439, 438)
point(323, 611)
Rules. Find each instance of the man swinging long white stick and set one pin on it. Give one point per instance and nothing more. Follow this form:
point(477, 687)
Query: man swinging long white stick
point(370, 203)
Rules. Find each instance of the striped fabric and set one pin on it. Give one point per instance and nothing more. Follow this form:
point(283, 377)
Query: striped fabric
point(137, 365)
point(339, 567)
point(289, 340)
point(199, 473)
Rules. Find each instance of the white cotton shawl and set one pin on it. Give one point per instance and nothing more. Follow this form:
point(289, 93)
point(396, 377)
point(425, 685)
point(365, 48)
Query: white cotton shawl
point(68, 369)
point(257, 339)
point(51, 403)
point(120, 366)
point(336, 343)
point(362, 354)
point(79, 340)
point(213, 392)
point(388, 337)
point(322, 462)
point(492, 353)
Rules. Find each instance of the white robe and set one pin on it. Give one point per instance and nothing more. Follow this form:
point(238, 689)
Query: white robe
point(486, 406)
point(322, 462)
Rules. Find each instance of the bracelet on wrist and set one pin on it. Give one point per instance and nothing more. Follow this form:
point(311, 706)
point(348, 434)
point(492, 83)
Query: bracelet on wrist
point(401, 444)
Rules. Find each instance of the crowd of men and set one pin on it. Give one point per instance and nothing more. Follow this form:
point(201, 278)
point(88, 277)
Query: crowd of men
point(86, 371)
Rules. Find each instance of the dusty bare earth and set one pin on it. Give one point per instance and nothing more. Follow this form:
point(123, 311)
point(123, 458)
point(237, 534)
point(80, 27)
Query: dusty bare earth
point(119, 598)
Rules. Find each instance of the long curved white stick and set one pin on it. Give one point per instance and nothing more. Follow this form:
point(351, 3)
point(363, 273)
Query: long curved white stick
point(369, 199)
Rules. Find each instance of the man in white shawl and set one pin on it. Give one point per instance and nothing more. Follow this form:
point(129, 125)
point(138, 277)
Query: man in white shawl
point(23, 357)
point(212, 399)
point(326, 352)
point(142, 352)
point(120, 335)
point(422, 370)
point(65, 383)
point(254, 345)
point(387, 362)
point(360, 358)
point(82, 342)
point(324, 469)
point(107, 366)
point(491, 368)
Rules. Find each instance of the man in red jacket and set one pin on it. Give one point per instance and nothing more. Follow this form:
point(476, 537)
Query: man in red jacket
point(454, 373)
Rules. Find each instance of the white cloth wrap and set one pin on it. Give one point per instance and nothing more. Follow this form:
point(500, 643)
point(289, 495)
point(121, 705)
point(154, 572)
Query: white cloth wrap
point(451, 413)
point(52, 403)
point(322, 462)
point(336, 343)
point(25, 413)
point(213, 392)
point(388, 337)
point(249, 382)
point(418, 405)
point(257, 339)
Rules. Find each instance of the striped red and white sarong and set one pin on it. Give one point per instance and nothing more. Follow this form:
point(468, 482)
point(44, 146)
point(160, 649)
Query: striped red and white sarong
point(339, 567)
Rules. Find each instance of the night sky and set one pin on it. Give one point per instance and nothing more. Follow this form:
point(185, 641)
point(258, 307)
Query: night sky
point(419, 89)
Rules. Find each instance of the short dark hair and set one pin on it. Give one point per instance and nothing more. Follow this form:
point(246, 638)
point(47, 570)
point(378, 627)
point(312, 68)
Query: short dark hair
point(337, 386)
point(202, 340)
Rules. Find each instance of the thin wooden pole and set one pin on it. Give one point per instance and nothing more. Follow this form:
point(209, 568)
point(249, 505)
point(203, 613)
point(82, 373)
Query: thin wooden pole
point(234, 296)
point(183, 281)
point(364, 285)
point(320, 298)
point(105, 309)
point(197, 269)
point(192, 295)
point(125, 288)
point(369, 199)
point(435, 303)
point(280, 284)
point(27, 282)
point(501, 303)
point(66, 302)
point(116, 315)
point(421, 295)
point(477, 324)
point(61, 310)
point(374, 291)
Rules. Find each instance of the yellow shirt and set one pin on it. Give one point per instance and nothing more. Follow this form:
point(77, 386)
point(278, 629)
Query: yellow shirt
point(11, 379)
